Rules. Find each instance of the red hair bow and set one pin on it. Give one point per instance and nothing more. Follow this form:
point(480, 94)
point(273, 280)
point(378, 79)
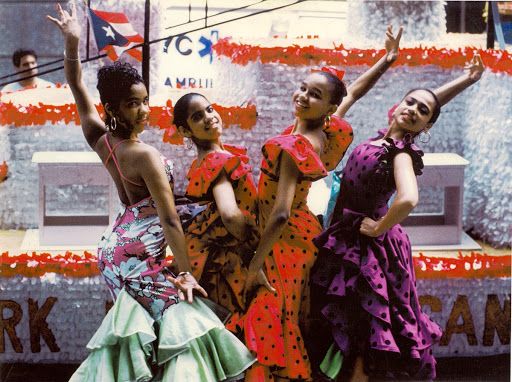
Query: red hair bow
point(329, 69)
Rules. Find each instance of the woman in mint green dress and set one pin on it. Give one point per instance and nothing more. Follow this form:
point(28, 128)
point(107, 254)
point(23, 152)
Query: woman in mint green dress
point(150, 334)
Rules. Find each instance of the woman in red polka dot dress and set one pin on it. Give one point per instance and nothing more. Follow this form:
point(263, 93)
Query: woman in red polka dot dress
point(303, 153)
point(220, 236)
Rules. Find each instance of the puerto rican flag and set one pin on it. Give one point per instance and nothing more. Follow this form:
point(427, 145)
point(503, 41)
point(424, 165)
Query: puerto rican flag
point(114, 34)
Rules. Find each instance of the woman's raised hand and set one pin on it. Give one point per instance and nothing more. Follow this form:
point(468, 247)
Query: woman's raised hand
point(392, 43)
point(67, 22)
point(474, 68)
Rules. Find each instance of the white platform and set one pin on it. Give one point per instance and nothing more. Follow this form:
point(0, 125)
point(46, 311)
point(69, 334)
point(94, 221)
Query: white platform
point(63, 168)
point(466, 244)
point(31, 243)
point(441, 230)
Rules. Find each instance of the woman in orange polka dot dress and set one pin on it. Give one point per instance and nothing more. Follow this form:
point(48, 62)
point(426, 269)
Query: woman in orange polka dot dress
point(303, 153)
point(219, 237)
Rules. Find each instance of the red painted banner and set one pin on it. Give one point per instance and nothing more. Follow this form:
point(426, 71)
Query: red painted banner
point(498, 61)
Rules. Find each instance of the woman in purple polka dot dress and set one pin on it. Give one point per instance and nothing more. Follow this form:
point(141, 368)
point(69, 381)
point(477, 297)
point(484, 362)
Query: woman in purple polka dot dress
point(365, 269)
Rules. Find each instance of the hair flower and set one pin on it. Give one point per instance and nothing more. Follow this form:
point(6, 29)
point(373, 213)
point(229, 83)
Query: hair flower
point(331, 70)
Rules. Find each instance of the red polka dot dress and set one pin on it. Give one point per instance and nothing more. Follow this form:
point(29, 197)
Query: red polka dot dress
point(271, 325)
point(216, 255)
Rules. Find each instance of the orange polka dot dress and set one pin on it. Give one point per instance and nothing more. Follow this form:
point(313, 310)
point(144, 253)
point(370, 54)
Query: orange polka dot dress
point(216, 256)
point(271, 325)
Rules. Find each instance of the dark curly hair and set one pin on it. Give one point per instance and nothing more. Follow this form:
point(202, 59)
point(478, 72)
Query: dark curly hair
point(20, 53)
point(339, 90)
point(437, 106)
point(181, 109)
point(114, 83)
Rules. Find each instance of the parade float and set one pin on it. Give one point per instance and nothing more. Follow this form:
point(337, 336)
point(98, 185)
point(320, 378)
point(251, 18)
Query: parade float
point(52, 297)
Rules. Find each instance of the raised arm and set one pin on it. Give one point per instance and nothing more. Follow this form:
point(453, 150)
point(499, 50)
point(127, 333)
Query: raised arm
point(225, 199)
point(368, 79)
point(405, 201)
point(448, 91)
point(288, 177)
point(92, 125)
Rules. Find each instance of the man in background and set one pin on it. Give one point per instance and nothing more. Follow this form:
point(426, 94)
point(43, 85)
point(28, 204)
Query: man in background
point(24, 59)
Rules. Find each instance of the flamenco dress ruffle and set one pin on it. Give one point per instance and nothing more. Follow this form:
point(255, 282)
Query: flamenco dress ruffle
point(275, 324)
point(218, 258)
point(188, 343)
point(370, 298)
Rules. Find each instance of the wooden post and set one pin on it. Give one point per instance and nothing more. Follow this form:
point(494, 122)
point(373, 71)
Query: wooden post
point(490, 27)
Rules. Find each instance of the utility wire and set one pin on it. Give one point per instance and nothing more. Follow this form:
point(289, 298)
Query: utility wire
point(216, 14)
point(190, 21)
point(154, 41)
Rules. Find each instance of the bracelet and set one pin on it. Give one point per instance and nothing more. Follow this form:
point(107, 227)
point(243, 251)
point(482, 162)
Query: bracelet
point(184, 273)
point(70, 58)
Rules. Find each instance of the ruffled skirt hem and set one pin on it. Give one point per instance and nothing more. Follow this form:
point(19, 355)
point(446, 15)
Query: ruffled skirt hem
point(375, 278)
point(188, 343)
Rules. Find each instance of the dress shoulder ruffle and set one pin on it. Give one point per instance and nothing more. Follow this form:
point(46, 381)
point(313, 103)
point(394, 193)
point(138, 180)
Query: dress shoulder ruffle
point(339, 137)
point(393, 147)
point(299, 149)
point(202, 175)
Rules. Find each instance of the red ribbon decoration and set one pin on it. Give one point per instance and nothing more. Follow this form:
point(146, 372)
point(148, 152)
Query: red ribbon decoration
point(475, 265)
point(4, 169)
point(160, 116)
point(495, 60)
point(331, 70)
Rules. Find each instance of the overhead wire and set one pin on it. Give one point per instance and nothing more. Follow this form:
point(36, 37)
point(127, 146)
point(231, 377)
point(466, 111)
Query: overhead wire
point(159, 39)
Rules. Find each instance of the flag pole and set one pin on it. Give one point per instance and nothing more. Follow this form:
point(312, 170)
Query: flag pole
point(88, 5)
point(145, 47)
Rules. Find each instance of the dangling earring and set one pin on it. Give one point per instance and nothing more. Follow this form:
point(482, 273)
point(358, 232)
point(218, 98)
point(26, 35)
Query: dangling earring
point(424, 136)
point(188, 143)
point(113, 123)
point(327, 121)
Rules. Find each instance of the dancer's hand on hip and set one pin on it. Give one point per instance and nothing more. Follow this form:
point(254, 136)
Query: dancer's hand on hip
point(369, 227)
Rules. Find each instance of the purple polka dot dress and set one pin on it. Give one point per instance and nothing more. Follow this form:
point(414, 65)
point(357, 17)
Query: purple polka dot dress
point(368, 289)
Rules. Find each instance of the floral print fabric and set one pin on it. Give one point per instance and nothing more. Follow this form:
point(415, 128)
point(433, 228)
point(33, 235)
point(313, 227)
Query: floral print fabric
point(131, 254)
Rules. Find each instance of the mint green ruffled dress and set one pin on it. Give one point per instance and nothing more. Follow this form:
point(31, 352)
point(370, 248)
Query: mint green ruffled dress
point(188, 344)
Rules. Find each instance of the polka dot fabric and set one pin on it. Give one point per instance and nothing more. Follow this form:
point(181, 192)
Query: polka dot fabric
point(339, 137)
point(272, 323)
point(370, 298)
point(216, 256)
